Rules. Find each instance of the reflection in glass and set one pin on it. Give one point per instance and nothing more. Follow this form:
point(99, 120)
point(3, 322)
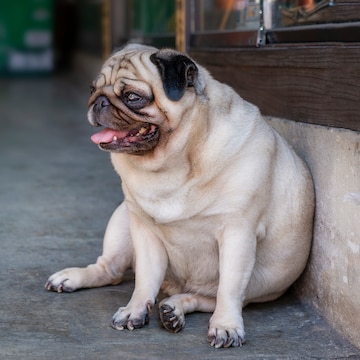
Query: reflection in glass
point(153, 22)
point(240, 15)
point(222, 15)
point(297, 12)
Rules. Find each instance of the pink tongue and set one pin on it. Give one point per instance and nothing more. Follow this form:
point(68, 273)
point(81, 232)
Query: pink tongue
point(107, 136)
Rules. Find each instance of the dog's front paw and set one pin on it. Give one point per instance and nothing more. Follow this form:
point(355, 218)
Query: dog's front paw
point(67, 280)
point(172, 319)
point(221, 337)
point(131, 318)
point(226, 334)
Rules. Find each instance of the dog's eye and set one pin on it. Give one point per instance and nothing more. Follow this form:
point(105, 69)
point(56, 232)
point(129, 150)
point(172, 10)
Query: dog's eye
point(135, 101)
point(92, 89)
point(132, 97)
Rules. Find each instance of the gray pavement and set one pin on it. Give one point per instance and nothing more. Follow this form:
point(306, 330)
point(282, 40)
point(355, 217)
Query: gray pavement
point(57, 191)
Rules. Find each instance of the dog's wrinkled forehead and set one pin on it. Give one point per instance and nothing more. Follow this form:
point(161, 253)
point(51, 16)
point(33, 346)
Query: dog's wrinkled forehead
point(131, 65)
point(150, 68)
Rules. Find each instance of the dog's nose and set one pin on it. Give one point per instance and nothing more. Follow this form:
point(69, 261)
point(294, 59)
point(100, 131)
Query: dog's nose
point(101, 102)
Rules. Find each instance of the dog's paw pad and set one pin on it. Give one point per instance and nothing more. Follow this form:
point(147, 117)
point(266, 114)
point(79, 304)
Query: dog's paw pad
point(170, 320)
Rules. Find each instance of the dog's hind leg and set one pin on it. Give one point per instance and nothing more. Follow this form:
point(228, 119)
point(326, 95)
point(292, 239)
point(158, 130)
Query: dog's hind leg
point(173, 309)
point(117, 257)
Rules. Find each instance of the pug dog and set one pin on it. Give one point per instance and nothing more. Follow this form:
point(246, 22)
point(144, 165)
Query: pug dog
point(217, 210)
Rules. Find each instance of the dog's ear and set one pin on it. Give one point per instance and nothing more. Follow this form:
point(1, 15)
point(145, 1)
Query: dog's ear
point(177, 72)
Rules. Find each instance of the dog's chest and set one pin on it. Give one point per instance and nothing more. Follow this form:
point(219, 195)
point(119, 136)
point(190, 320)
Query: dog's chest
point(165, 210)
point(166, 204)
point(193, 254)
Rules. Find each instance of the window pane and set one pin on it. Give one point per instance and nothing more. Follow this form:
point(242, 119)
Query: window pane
point(153, 22)
point(284, 13)
point(223, 23)
point(222, 15)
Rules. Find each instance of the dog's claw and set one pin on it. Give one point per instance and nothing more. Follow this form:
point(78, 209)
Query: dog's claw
point(130, 326)
point(123, 320)
point(149, 306)
point(49, 286)
point(117, 327)
point(66, 280)
point(226, 339)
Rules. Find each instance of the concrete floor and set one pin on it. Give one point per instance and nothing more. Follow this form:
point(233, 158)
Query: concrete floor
point(57, 191)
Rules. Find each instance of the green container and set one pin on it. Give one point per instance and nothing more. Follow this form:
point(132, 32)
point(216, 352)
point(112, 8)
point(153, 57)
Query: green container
point(26, 36)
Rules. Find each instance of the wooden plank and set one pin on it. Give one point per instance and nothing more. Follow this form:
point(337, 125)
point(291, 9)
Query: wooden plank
point(313, 84)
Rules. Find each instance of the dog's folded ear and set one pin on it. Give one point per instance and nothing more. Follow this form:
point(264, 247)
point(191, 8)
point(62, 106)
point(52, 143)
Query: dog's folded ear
point(177, 71)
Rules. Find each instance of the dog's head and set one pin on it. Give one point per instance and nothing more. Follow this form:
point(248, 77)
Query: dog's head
point(136, 94)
